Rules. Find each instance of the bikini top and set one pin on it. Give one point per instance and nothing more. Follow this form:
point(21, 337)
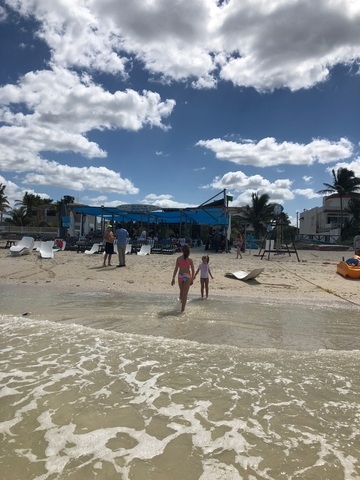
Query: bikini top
point(183, 263)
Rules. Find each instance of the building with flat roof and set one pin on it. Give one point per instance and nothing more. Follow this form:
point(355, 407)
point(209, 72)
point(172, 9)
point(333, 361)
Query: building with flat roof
point(325, 222)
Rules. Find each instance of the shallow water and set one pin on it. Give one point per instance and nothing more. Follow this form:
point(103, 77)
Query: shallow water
point(229, 390)
point(222, 321)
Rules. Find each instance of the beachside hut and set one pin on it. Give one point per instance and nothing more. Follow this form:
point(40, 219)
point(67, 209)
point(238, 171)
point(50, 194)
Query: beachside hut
point(196, 216)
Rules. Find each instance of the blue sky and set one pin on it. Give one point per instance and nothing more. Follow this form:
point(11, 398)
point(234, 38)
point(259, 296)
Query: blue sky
point(168, 102)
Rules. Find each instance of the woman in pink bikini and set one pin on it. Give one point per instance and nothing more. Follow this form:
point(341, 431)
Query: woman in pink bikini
point(184, 267)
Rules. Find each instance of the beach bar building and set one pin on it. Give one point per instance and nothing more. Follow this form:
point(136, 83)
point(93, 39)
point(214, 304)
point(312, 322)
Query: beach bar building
point(84, 218)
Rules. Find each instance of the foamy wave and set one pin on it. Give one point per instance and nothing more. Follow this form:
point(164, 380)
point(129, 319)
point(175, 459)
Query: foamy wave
point(83, 403)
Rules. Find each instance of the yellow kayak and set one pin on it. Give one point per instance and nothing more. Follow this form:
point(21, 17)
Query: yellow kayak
point(348, 271)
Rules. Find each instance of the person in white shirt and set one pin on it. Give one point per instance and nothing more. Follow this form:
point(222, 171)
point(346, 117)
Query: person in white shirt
point(204, 268)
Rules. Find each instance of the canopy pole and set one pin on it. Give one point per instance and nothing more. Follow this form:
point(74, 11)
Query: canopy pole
point(222, 191)
point(226, 211)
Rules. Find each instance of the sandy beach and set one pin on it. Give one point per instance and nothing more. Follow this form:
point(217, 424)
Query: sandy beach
point(312, 280)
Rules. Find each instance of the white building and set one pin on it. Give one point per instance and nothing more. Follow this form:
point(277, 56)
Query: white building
point(324, 223)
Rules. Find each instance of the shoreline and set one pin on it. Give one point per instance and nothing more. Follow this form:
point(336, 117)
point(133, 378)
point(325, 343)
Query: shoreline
point(313, 280)
point(240, 322)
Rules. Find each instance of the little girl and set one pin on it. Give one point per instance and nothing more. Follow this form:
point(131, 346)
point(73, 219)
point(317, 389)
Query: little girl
point(204, 268)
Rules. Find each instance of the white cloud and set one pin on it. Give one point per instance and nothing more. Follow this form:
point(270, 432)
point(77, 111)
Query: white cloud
point(3, 14)
point(164, 201)
point(307, 178)
point(267, 152)
point(85, 178)
point(307, 192)
point(353, 165)
point(279, 190)
point(99, 200)
point(61, 108)
point(64, 101)
point(265, 45)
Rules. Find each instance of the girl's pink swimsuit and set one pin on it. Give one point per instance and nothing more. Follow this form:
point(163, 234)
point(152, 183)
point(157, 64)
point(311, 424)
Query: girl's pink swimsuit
point(184, 277)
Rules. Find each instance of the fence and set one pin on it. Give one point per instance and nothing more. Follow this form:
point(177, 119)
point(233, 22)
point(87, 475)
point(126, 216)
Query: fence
point(8, 231)
point(318, 238)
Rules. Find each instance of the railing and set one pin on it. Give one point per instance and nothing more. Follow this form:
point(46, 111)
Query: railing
point(317, 238)
point(7, 230)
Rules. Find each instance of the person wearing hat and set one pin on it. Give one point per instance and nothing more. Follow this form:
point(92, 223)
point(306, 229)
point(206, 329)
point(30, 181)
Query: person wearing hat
point(109, 245)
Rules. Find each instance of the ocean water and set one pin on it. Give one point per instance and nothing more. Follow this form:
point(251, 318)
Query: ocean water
point(112, 386)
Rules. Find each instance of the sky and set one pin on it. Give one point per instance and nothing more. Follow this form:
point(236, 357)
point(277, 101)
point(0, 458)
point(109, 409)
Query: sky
point(169, 102)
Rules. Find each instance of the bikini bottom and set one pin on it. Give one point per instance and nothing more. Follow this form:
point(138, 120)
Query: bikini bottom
point(184, 277)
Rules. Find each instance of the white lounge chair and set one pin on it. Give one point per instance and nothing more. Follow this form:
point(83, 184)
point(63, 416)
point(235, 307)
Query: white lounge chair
point(144, 250)
point(94, 249)
point(24, 247)
point(128, 248)
point(46, 249)
point(36, 246)
point(240, 275)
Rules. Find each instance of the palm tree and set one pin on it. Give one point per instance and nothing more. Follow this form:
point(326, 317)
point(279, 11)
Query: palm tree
point(260, 213)
point(344, 183)
point(352, 227)
point(33, 205)
point(18, 217)
point(4, 203)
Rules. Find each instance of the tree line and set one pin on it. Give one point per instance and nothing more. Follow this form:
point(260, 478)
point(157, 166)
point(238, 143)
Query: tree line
point(29, 211)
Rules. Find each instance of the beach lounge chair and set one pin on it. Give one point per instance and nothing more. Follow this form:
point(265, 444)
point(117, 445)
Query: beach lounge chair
point(59, 244)
point(157, 248)
point(24, 247)
point(169, 249)
point(94, 249)
point(240, 275)
point(128, 248)
point(144, 250)
point(46, 249)
point(36, 246)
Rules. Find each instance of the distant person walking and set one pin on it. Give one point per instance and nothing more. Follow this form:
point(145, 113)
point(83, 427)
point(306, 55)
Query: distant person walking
point(184, 267)
point(109, 245)
point(205, 272)
point(122, 236)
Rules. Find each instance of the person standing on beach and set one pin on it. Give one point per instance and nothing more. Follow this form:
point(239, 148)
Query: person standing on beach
point(357, 244)
point(239, 245)
point(184, 267)
point(109, 244)
point(204, 268)
point(122, 236)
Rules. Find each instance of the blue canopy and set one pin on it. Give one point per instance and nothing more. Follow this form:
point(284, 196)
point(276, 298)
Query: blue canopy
point(199, 216)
